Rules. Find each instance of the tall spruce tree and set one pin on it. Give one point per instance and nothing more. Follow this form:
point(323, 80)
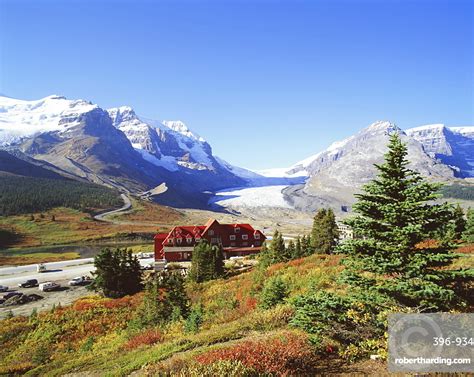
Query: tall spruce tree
point(277, 247)
point(325, 233)
point(207, 262)
point(291, 250)
point(298, 248)
point(459, 223)
point(468, 234)
point(395, 215)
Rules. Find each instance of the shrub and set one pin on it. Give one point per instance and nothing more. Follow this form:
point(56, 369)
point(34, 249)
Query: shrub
point(194, 320)
point(219, 368)
point(345, 319)
point(274, 292)
point(289, 353)
point(146, 338)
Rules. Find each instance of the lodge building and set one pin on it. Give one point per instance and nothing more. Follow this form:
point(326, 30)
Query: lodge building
point(234, 239)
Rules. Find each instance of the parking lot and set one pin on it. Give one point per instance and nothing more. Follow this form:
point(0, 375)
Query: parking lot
point(58, 272)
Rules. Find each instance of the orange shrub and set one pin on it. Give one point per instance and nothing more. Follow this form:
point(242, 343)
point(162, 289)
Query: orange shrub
point(147, 338)
point(467, 249)
point(288, 354)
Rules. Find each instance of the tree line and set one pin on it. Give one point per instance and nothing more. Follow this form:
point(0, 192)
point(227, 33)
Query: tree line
point(19, 195)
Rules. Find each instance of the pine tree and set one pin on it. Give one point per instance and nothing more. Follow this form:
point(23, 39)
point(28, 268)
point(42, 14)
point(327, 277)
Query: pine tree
point(459, 223)
point(266, 257)
point(274, 292)
point(468, 234)
point(207, 262)
point(298, 248)
point(395, 215)
point(306, 247)
point(117, 273)
point(325, 234)
point(291, 251)
point(165, 300)
point(277, 247)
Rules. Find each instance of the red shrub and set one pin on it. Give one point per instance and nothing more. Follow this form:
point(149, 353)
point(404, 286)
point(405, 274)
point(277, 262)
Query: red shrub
point(467, 249)
point(146, 338)
point(286, 355)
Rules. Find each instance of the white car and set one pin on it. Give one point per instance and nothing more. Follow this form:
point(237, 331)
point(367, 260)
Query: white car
point(80, 280)
point(3, 288)
point(48, 286)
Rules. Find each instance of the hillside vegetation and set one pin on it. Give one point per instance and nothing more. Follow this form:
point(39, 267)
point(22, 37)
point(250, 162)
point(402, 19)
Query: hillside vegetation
point(463, 192)
point(229, 330)
point(19, 195)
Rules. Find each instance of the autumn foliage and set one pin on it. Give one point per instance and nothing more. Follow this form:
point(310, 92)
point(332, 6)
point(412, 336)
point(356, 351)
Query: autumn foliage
point(287, 354)
point(146, 338)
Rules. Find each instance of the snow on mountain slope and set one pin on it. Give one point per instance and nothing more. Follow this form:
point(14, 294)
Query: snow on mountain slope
point(454, 146)
point(20, 118)
point(339, 171)
point(169, 144)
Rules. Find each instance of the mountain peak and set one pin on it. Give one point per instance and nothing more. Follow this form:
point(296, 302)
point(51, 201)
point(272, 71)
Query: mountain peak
point(381, 125)
point(180, 127)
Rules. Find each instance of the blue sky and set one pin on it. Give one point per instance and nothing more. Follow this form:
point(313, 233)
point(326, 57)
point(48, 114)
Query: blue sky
point(267, 83)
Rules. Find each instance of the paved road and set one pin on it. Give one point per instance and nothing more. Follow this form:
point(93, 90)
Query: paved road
point(56, 271)
point(127, 204)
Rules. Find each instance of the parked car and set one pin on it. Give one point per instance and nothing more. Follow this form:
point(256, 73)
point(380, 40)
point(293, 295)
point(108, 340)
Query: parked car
point(12, 294)
point(3, 288)
point(148, 266)
point(41, 268)
point(80, 280)
point(29, 283)
point(49, 286)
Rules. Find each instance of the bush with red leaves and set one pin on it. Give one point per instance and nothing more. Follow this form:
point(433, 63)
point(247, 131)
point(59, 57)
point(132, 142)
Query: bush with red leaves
point(286, 354)
point(146, 338)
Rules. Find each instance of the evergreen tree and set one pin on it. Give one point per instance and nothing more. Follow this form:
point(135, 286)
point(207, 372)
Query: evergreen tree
point(291, 251)
point(468, 234)
point(298, 248)
point(277, 247)
point(207, 262)
point(117, 273)
point(266, 257)
point(459, 223)
point(165, 300)
point(396, 214)
point(306, 247)
point(325, 234)
point(274, 292)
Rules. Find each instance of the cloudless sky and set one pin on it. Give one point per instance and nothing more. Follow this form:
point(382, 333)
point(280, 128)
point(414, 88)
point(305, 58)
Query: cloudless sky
point(267, 83)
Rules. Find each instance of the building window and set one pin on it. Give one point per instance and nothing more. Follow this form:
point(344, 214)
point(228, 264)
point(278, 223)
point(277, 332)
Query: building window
point(211, 232)
point(245, 236)
point(179, 240)
point(232, 237)
point(237, 230)
point(189, 240)
point(257, 236)
point(214, 240)
point(257, 243)
point(170, 241)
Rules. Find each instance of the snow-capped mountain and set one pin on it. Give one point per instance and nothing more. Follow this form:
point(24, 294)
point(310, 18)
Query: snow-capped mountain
point(454, 146)
point(20, 119)
point(113, 147)
point(338, 172)
point(169, 144)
